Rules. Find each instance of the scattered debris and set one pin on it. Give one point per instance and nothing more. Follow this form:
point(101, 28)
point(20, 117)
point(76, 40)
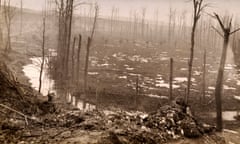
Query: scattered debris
point(46, 122)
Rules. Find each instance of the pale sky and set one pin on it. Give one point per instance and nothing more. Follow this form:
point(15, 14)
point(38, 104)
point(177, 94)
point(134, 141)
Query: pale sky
point(125, 6)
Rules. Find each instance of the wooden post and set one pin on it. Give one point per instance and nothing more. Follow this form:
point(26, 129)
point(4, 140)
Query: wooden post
point(171, 80)
point(97, 94)
point(137, 90)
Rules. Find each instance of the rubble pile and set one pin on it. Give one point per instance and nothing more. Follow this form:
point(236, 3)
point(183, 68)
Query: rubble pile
point(170, 122)
point(114, 127)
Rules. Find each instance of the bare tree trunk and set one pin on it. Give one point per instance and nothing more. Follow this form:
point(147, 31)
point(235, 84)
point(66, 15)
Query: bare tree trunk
point(78, 59)
point(219, 84)
point(94, 23)
point(73, 63)
point(86, 67)
point(8, 14)
point(198, 8)
point(87, 54)
point(69, 32)
point(43, 54)
point(190, 64)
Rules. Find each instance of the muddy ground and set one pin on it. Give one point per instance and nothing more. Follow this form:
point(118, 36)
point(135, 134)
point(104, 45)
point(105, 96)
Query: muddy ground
point(27, 119)
point(58, 122)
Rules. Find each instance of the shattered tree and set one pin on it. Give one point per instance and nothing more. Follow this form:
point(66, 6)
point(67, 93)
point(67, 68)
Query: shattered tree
point(227, 32)
point(198, 8)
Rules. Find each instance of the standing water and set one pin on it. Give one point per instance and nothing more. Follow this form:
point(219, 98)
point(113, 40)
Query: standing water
point(32, 71)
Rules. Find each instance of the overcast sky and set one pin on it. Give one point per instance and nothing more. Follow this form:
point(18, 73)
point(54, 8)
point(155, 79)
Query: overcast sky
point(125, 6)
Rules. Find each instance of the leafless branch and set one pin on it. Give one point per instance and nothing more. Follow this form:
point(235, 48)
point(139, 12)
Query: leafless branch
point(219, 21)
point(234, 31)
point(217, 31)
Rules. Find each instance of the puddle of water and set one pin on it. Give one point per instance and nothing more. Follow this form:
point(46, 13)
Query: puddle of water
point(238, 82)
point(93, 60)
point(230, 67)
point(157, 96)
point(183, 69)
point(138, 58)
point(130, 69)
point(228, 87)
point(197, 73)
point(122, 77)
point(159, 81)
point(32, 71)
point(211, 88)
point(182, 79)
point(133, 74)
point(148, 80)
point(164, 58)
point(166, 85)
point(93, 73)
point(119, 56)
point(230, 131)
point(224, 87)
point(212, 71)
point(236, 98)
point(227, 115)
point(103, 65)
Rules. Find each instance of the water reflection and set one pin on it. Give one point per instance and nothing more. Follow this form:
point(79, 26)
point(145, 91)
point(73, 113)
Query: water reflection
point(80, 104)
point(32, 71)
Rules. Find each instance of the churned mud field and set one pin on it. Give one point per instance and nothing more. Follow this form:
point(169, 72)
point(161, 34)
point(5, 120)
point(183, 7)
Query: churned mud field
point(123, 92)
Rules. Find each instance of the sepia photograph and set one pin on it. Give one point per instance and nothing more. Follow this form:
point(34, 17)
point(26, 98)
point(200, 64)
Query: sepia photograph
point(119, 72)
